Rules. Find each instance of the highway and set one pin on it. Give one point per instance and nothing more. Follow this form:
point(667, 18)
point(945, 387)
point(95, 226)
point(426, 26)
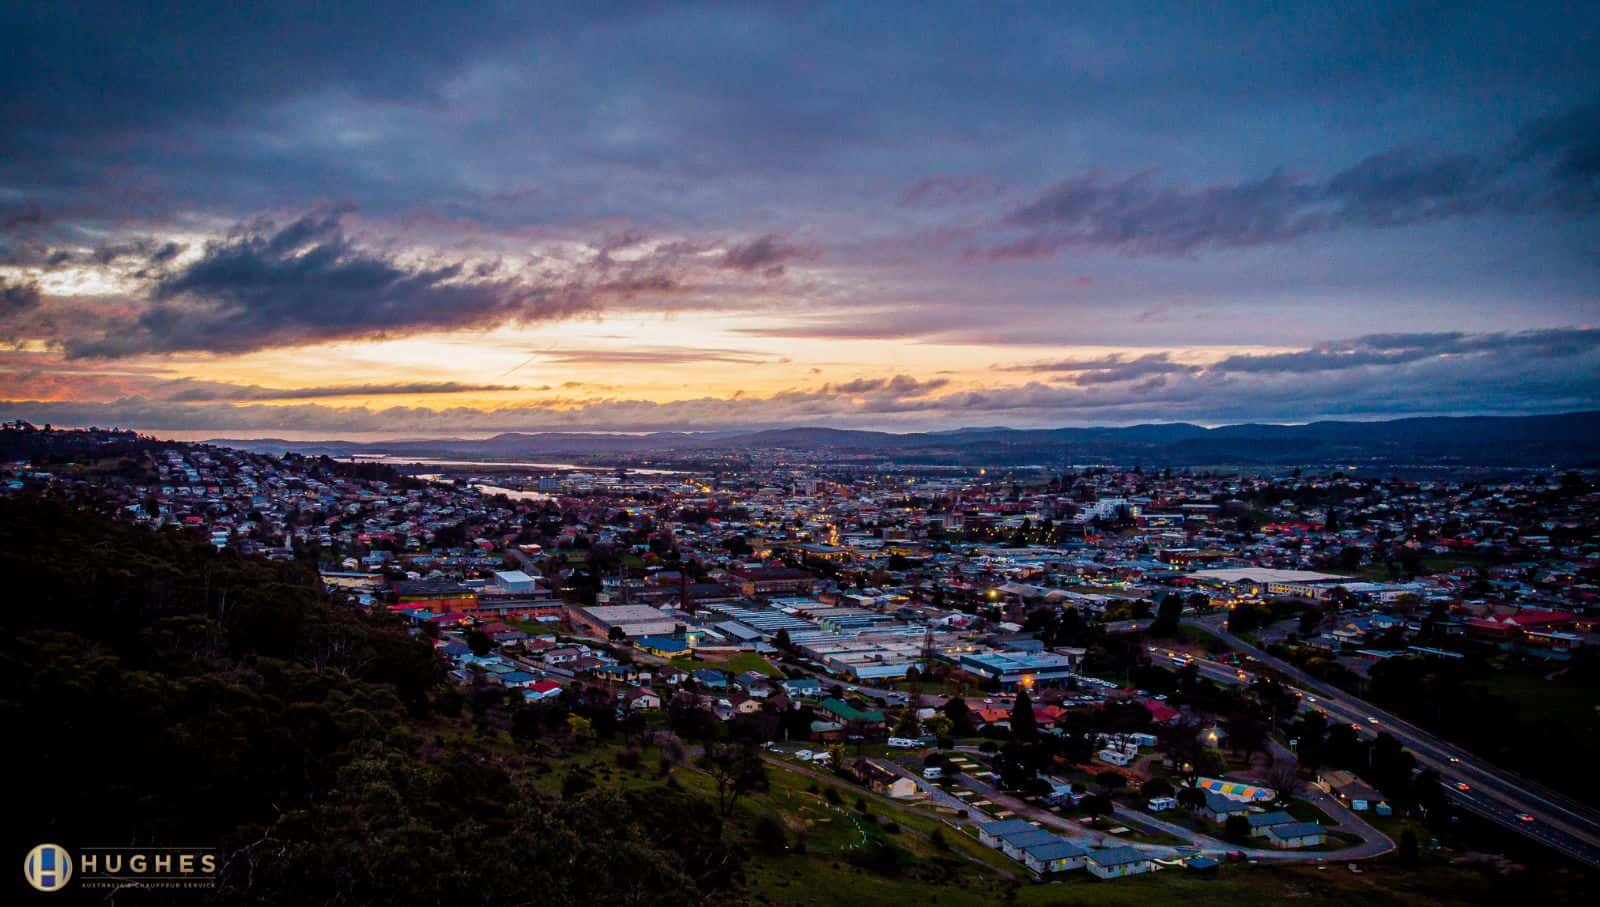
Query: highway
point(1557, 821)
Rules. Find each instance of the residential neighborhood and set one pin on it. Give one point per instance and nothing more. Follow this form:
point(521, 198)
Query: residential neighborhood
point(1049, 648)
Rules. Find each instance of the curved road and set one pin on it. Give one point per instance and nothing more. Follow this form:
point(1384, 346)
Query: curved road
point(1555, 820)
point(1373, 846)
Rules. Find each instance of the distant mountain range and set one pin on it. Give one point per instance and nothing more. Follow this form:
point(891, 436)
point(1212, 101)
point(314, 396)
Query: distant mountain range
point(1567, 439)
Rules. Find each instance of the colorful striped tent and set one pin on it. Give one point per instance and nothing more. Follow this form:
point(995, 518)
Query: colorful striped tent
point(1237, 790)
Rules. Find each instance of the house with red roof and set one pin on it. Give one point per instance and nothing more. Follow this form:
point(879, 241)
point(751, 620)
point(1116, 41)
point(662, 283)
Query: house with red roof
point(544, 689)
point(1160, 712)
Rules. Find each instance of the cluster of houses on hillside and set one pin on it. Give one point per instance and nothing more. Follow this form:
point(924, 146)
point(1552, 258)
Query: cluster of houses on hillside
point(1046, 853)
point(1003, 581)
point(871, 574)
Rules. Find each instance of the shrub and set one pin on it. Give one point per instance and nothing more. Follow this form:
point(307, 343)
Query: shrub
point(879, 856)
point(768, 836)
point(1236, 828)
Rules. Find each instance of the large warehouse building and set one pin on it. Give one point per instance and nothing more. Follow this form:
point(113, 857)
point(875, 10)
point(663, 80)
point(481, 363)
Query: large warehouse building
point(635, 620)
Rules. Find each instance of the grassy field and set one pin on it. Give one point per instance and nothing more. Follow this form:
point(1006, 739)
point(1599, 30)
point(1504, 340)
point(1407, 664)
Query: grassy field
point(1431, 564)
point(929, 686)
point(932, 862)
point(738, 664)
point(799, 881)
point(1558, 699)
point(535, 628)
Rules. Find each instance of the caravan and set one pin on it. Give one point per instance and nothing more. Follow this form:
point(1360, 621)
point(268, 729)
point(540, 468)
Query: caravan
point(1115, 756)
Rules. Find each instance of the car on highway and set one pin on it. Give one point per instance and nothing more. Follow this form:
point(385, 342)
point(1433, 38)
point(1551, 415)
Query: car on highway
point(1524, 817)
point(1371, 720)
point(1463, 786)
point(1454, 759)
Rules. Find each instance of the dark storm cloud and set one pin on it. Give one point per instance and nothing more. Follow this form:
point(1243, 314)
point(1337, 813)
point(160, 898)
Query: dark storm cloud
point(1109, 369)
point(1571, 142)
point(766, 254)
point(18, 297)
point(1373, 351)
point(307, 281)
point(20, 215)
point(148, 250)
point(1554, 169)
point(1400, 349)
point(21, 224)
point(192, 391)
point(897, 386)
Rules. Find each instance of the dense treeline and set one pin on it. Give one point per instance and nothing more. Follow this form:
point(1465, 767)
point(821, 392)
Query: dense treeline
point(1452, 698)
point(158, 691)
point(22, 442)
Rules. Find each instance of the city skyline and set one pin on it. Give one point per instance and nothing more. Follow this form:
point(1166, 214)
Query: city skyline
point(727, 216)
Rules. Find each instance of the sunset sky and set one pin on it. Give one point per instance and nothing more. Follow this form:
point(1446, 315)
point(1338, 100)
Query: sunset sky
point(322, 220)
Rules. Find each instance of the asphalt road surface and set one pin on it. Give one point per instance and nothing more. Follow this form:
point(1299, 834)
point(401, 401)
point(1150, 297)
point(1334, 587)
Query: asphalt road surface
point(1373, 843)
point(1550, 818)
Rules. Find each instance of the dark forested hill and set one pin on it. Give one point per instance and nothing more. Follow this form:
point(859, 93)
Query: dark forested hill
point(1567, 439)
point(157, 691)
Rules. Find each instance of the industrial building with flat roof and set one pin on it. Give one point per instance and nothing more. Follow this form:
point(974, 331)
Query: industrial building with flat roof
point(1014, 668)
point(635, 620)
point(766, 621)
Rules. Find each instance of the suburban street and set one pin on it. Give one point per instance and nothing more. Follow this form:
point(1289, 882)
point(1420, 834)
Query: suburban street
point(1373, 843)
point(1557, 821)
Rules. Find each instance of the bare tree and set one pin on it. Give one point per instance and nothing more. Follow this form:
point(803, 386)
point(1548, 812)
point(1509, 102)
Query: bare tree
point(737, 770)
point(1283, 776)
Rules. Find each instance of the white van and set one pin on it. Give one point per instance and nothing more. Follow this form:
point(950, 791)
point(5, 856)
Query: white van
point(902, 743)
point(933, 773)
